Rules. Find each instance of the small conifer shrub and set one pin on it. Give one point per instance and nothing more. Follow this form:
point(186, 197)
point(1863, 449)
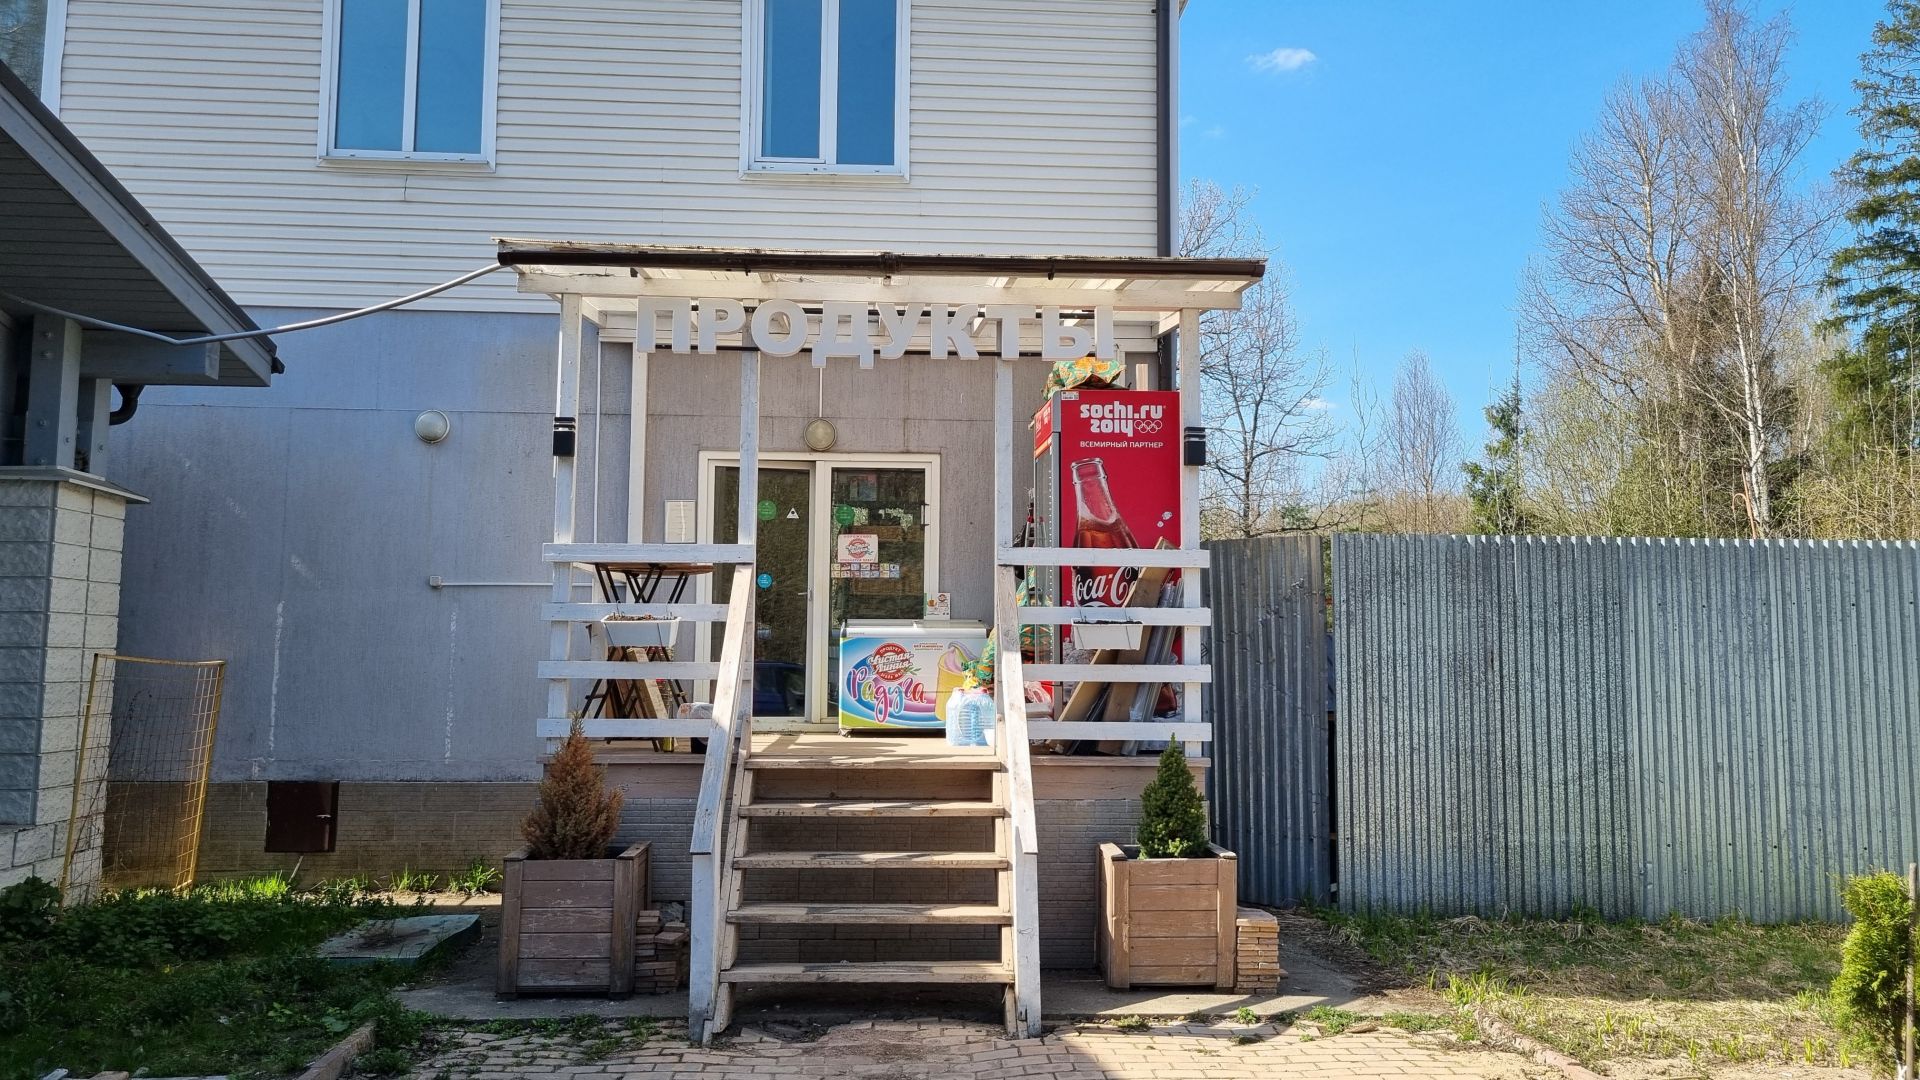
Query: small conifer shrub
point(576, 816)
point(1870, 992)
point(1173, 819)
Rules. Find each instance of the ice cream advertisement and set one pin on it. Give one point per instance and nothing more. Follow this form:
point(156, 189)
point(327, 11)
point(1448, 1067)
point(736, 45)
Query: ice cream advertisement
point(902, 681)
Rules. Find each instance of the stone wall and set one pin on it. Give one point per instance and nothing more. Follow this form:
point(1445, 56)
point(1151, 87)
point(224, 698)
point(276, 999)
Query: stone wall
point(380, 829)
point(439, 828)
point(60, 543)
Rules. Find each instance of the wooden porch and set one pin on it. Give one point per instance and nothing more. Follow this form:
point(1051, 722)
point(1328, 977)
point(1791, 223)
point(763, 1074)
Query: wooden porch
point(749, 782)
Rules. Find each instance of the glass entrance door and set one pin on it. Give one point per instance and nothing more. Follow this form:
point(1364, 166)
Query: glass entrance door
point(841, 539)
point(783, 576)
point(878, 537)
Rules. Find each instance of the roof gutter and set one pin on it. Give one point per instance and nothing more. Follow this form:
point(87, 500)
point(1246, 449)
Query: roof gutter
point(871, 263)
point(1166, 24)
point(1166, 16)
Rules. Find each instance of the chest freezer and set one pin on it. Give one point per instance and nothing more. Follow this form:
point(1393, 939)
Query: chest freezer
point(896, 675)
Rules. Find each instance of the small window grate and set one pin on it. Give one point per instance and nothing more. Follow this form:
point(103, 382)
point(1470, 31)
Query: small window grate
point(301, 815)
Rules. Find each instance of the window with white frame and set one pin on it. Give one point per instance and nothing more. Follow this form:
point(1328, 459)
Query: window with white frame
point(411, 79)
point(827, 86)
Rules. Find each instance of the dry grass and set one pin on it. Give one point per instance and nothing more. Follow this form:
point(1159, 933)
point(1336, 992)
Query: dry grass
point(1672, 998)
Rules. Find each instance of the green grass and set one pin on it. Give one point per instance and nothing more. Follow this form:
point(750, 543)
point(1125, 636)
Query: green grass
point(219, 980)
point(1331, 1021)
point(480, 876)
point(410, 882)
point(1679, 989)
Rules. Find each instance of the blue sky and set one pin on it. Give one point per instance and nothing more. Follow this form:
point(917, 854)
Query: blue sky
point(1404, 151)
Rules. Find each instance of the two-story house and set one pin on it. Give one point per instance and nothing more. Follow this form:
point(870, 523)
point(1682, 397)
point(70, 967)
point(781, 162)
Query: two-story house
point(371, 564)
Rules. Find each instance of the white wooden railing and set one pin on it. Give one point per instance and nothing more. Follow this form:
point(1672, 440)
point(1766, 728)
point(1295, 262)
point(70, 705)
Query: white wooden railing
point(731, 738)
point(1191, 673)
point(562, 669)
point(1024, 846)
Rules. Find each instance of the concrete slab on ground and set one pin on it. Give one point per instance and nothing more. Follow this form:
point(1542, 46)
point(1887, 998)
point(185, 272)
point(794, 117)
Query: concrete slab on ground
point(405, 941)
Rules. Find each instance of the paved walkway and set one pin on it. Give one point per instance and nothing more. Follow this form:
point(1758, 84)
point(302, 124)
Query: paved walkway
point(925, 1049)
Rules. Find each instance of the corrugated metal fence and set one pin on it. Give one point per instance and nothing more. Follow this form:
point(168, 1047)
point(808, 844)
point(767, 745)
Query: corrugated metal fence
point(1268, 703)
point(1638, 727)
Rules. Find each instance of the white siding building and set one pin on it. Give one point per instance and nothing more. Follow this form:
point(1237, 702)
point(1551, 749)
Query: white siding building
point(1031, 127)
point(377, 595)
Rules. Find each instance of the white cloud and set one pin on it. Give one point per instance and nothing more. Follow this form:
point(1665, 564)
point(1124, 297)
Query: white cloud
point(1316, 404)
point(1214, 132)
point(1283, 59)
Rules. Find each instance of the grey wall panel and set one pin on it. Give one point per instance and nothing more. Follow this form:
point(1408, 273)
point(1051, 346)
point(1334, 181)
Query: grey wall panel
point(1268, 703)
point(1633, 726)
point(293, 529)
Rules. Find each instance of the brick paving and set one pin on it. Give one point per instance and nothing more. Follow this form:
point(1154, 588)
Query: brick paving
point(925, 1049)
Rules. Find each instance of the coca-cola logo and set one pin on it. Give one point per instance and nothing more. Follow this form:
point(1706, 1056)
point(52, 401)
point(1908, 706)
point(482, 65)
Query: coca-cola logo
point(1120, 418)
point(1106, 586)
point(890, 662)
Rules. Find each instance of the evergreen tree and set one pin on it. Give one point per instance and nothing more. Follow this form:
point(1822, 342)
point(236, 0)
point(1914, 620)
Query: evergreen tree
point(576, 816)
point(1173, 819)
point(1875, 292)
point(1494, 485)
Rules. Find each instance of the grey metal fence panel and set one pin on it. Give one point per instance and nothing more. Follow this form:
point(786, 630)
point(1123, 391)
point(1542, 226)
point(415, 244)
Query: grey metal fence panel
point(1268, 703)
point(1638, 727)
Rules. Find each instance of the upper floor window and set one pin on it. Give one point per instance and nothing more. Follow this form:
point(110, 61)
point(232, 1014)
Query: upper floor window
point(827, 87)
point(411, 79)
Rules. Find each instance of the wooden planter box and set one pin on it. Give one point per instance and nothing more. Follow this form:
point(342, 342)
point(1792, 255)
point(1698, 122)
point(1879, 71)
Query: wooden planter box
point(567, 925)
point(1168, 922)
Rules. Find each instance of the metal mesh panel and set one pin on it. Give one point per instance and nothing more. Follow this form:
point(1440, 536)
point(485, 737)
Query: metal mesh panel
point(140, 782)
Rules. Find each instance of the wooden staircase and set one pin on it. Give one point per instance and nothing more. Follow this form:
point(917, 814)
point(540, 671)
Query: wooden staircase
point(822, 816)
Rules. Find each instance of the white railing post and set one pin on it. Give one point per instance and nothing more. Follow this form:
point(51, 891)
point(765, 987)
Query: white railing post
point(1192, 704)
point(566, 404)
point(1010, 693)
point(706, 913)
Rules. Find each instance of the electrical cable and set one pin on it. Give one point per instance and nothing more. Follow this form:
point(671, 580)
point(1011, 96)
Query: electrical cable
point(212, 339)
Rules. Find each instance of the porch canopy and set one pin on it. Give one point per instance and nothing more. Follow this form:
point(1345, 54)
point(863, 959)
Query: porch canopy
point(608, 277)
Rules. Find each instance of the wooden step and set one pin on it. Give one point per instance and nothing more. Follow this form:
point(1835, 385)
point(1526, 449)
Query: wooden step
point(983, 761)
point(871, 860)
point(871, 914)
point(888, 971)
point(897, 808)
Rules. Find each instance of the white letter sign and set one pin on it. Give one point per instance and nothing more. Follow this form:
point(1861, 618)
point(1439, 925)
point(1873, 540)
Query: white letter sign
point(860, 330)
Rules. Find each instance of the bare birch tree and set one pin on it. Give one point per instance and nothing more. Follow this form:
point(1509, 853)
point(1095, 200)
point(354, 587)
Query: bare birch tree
point(1419, 453)
point(1260, 394)
point(1683, 251)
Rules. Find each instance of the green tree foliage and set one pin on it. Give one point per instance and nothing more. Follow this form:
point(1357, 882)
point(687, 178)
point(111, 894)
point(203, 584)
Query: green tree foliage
point(1870, 991)
point(1873, 279)
point(1173, 819)
point(576, 816)
point(1495, 485)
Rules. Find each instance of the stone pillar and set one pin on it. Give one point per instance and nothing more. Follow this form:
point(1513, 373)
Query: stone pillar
point(60, 540)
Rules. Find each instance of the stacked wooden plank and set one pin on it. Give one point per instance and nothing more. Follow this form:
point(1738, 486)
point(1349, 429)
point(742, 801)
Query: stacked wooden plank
point(1257, 954)
point(659, 954)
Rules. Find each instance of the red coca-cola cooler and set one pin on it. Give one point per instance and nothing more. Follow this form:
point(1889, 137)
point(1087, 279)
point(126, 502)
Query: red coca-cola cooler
point(1106, 475)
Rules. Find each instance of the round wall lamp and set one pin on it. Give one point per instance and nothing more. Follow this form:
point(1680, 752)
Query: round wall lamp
point(820, 435)
point(432, 426)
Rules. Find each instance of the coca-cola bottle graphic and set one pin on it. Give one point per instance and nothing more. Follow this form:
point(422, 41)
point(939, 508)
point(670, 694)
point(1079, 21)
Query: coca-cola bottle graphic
point(1100, 525)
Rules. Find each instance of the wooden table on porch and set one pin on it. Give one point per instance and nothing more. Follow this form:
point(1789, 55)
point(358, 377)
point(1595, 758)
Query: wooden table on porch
point(622, 582)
